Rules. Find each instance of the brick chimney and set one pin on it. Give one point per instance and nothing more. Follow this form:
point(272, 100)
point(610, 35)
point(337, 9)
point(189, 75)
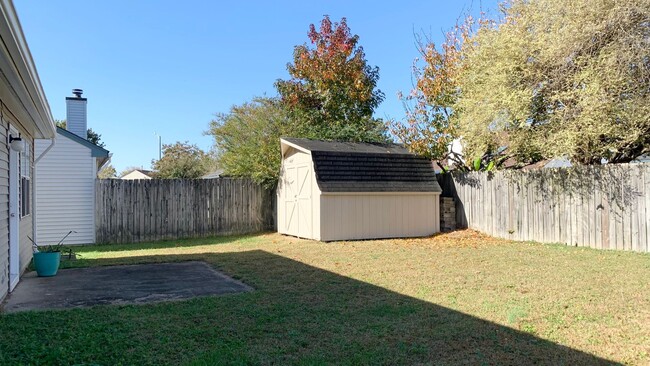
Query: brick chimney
point(76, 114)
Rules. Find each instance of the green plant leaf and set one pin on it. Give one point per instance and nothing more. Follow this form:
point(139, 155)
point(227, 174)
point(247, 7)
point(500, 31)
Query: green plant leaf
point(490, 166)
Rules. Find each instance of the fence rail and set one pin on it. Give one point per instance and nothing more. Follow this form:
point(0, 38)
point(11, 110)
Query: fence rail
point(129, 211)
point(603, 207)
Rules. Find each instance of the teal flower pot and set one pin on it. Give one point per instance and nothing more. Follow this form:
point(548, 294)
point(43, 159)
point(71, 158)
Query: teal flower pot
point(47, 263)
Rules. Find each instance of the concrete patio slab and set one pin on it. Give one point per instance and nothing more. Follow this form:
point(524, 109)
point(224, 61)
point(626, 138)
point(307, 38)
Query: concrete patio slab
point(129, 284)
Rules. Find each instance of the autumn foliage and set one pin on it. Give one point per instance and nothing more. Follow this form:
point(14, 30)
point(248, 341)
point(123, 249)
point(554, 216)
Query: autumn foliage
point(332, 91)
point(429, 127)
point(547, 79)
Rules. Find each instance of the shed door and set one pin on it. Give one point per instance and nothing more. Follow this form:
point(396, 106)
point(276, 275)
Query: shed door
point(298, 200)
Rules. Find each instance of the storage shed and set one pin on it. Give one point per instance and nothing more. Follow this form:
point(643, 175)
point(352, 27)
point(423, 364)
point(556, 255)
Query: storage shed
point(341, 191)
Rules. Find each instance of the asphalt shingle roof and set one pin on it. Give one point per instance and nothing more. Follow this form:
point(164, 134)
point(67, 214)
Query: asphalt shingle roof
point(364, 167)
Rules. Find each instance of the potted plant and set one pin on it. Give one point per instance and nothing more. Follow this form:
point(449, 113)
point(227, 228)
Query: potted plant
point(48, 257)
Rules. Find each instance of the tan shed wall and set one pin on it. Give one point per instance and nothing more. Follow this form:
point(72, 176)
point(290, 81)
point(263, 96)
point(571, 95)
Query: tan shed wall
point(379, 215)
point(296, 157)
point(316, 207)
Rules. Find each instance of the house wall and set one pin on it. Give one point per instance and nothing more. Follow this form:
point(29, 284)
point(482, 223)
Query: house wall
point(347, 216)
point(23, 110)
point(4, 210)
point(292, 158)
point(25, 226)
point(65, 192)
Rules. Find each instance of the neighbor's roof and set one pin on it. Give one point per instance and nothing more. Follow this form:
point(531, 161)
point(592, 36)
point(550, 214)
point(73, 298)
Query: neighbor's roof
point(143, 171)
point(139, 174)
point(215, 174)
point(364, 167)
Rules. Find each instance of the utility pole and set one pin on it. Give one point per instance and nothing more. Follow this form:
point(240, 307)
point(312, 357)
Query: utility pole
point(159, 145)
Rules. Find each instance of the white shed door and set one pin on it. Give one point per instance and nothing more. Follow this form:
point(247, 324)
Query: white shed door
point(298, 215)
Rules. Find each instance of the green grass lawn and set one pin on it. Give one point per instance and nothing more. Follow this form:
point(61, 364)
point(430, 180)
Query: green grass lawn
point(459, 298)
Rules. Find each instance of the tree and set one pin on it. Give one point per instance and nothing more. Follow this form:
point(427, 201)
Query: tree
point(181, 160)
point(247, 139)
point(107, 172)
point(563, 81)
point(91, 135)
point(551, 79)
point(430, 126)
point(332, 91)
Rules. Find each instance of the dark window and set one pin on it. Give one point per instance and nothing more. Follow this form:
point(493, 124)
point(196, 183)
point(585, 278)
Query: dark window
point(25, 188)
point(25, 181)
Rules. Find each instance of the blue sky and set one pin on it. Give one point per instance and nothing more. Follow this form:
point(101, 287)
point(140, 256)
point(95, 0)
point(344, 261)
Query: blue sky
point(167, 67)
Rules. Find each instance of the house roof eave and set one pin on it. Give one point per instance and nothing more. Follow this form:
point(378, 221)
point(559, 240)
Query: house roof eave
point(95, 151)
point(24, 93)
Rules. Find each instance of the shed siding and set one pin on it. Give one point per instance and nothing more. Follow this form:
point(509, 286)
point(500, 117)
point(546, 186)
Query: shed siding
point(4, 210)
point(294, 157)
point(316, 207)
point(65, 192)
point(375, 216)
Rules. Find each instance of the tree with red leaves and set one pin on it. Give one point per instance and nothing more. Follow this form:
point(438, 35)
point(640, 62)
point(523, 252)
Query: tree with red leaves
point(332, 91)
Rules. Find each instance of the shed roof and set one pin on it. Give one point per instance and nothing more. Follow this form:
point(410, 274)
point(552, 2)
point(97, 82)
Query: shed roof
point(365, 167)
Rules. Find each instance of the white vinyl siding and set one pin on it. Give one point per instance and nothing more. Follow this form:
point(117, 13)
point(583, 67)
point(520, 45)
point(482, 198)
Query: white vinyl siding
point(76, 116)
point(65, 192)
point(4, 210)
point(25, 226)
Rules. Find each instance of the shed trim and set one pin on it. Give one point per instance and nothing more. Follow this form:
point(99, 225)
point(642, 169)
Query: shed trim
point(286, 143)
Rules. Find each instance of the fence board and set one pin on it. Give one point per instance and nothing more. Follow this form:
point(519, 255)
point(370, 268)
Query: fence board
point(603, 207)
point(129, 211)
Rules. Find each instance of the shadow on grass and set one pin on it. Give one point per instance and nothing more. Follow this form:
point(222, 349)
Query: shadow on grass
point(298, 314)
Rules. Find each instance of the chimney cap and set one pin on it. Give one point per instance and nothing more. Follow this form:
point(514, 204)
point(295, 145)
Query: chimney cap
point(77, 92)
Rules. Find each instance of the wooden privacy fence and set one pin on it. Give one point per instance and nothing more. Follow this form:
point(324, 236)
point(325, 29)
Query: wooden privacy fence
point(129, 211)
point(603, 207)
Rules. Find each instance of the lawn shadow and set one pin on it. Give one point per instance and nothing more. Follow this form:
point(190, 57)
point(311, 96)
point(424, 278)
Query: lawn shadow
point(297, 314)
